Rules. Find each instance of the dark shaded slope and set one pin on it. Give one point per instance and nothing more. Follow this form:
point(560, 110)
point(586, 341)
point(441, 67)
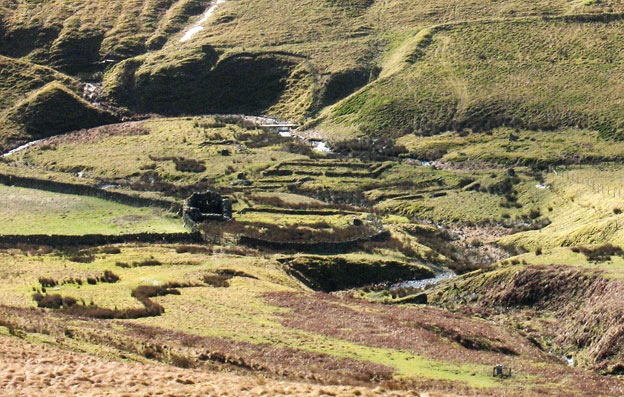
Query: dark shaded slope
point(198, 82)
point(54, 109)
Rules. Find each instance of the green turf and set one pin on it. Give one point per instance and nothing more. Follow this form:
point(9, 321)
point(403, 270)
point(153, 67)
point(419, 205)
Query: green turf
point(530, 73)
point(512, 147)
point(29, 211)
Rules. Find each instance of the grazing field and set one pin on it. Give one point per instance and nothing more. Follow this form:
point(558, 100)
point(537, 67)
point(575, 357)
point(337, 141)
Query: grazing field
point(235, 313)
point(30, 211)
point(584, 208)
point(513, 147)
point(163, 151)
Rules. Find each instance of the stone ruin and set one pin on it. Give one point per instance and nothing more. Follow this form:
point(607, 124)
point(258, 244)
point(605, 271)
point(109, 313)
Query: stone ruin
point(207, 206)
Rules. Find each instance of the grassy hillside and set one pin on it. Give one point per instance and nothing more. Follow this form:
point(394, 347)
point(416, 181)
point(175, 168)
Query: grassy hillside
point(585, 210)
point(510, 146)
point(77, 36)
point(307, 55)
point(528, 73)
point(37, 101)
point(18, 78)
point(338, 48)
point(54, 109)
point(196, 82)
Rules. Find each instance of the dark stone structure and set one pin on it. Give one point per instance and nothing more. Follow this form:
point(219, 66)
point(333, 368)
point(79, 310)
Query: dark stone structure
point(93, 240)
point(207, 206)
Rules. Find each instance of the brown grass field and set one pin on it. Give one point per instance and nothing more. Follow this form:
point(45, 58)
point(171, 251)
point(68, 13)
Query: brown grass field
point(29, 369)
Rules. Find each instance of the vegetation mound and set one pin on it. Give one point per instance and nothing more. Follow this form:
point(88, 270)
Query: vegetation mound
point(19, 78)
point(199, 81)
point(54, 109)
point(573, 310)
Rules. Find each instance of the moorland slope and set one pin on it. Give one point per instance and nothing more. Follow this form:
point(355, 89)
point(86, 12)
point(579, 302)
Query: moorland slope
point(444, 200)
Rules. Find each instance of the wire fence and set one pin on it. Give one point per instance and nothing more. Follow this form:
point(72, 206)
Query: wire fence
point(609, 183)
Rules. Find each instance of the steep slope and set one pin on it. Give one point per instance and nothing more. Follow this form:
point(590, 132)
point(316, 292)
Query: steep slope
point(18, 78)
point(533, 73)
point(573, 310)
point(77, 36)
point(199, 82)
point(338, 47)
point(54, 109)
point(36, 101)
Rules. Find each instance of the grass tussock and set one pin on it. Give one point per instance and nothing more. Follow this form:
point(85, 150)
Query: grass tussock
point(144, 263)
point(193, 249)
point(182, 164)
point(106, 277)
point(143, 293)
point(217, 280)
point(602, 253)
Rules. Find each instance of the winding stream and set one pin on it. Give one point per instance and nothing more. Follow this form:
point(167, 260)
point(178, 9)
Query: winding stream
point(445, 275)
point(197, 27)
point(20, 148)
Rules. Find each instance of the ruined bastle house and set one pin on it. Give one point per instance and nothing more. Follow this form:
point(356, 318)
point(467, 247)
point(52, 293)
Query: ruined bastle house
point(207, 206)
